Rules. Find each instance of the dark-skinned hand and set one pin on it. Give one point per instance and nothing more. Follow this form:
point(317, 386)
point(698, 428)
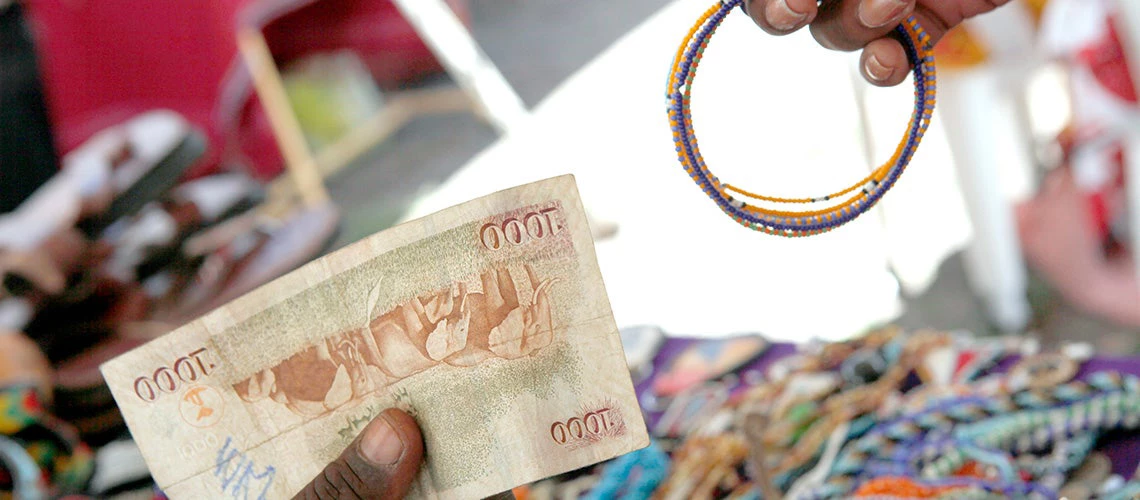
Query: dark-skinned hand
point(382, 463)
point(850, 25)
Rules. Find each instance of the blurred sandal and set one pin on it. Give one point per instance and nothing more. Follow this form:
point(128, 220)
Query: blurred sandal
point(270, 249)
point(147, 156)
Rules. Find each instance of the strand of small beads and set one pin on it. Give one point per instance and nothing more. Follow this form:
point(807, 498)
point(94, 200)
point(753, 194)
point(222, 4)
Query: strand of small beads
point(794, 223)
point(931, 447)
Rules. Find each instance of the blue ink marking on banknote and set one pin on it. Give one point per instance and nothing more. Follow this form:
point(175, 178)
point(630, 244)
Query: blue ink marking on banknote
point(240, 476)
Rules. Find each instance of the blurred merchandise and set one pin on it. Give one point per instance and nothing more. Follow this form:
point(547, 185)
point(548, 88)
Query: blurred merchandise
point(22, 364)
point(119, 468)
point(266, 249)
point(146, 243)
point(80, 262)
point(52, 445)
point(111, 176)
point(141, 159)
point(641, 344)
point(331, 94)
point(891, 414)
point(707, 360)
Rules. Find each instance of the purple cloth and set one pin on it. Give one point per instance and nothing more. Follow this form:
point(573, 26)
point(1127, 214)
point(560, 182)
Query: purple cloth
point(1123, 448)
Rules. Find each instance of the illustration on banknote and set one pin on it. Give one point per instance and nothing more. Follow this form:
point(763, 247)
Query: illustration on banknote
point(495, 314)
point(201, 406)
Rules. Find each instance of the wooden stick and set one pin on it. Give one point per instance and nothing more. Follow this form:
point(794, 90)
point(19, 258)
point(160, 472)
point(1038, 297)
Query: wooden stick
point(299, 162)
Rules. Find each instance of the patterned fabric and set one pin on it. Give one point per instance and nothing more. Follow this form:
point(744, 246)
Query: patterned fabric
point(66, 463)
point(18, 410)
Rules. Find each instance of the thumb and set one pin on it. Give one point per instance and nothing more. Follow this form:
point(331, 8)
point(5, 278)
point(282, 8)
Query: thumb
point(381, 463)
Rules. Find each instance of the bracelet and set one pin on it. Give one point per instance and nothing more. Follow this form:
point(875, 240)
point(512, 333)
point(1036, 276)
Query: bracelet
point(864, 194)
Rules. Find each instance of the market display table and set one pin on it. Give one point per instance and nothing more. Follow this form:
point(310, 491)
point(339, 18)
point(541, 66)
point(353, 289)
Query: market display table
point(1122, 447)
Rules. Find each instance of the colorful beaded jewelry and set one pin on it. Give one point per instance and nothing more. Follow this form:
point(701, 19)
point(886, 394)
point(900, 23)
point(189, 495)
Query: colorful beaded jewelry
point(922, 447)
point(794, 223)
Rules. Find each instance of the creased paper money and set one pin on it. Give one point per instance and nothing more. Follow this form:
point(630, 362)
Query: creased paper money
point(488, 322)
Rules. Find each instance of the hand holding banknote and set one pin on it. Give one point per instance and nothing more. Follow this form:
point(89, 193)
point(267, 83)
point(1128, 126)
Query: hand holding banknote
point(381, 463)
point(487, 323)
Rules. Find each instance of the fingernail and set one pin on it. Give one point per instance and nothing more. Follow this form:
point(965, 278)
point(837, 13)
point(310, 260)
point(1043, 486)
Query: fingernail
point(782, 17)
point(879, 13)
point(875, 69)
point(381, 444)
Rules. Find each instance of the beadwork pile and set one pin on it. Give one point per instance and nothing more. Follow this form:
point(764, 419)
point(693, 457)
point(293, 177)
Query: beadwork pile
point(746, 209)
point(890, 415)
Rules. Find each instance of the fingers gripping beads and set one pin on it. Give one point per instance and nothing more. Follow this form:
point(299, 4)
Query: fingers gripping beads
point(842, 206)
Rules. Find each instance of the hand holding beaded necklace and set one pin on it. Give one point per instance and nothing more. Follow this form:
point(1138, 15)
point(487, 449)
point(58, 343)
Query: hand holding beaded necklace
point(861, 196)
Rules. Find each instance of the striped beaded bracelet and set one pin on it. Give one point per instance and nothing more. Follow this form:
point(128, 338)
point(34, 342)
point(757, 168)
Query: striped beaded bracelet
point(864, 194)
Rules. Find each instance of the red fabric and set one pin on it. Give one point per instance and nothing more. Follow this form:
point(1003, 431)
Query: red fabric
point(388, 44)
point(964, 359)
point(1099, 212)
point(104, 61)
point(1108, 63)
point(1102, 211)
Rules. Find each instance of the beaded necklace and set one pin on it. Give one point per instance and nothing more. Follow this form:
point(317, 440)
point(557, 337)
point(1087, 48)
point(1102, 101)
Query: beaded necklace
point(917, 449)
point(824, 429)
point(794, 223)
point(929, 442)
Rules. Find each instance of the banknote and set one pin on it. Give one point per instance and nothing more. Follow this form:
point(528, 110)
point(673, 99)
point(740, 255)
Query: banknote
point(488, 322)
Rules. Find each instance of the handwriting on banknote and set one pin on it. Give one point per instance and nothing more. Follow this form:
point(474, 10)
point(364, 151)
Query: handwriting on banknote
point(239, 476)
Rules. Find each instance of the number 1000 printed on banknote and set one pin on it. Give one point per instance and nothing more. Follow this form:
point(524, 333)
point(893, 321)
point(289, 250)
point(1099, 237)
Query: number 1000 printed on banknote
point(488, 322)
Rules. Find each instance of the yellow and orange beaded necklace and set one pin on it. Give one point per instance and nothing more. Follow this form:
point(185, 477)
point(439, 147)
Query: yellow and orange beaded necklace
point(792, 223)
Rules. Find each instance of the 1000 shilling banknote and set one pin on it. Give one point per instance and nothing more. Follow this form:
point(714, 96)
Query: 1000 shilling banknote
point(488, 322)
